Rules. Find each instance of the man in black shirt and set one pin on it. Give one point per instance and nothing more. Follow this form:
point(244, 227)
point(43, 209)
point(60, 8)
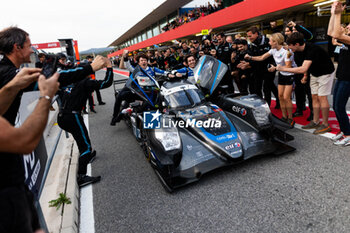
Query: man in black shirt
point(261, 77)
point(17, 211)
point(15, 47)
point(317, 62)
point(73, 99)
point(17, 198)
point(223, 53)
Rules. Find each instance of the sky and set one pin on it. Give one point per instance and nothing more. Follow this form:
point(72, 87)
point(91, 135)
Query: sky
point(94, 23)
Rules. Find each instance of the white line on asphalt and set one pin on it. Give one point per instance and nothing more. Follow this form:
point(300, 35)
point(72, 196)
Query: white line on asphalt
point(327, 135)
point(298, 126)
point(87, 221)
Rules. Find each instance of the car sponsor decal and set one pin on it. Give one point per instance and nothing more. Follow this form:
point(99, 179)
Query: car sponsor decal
point(189, 147)
point(231, 146)
point(239, 110)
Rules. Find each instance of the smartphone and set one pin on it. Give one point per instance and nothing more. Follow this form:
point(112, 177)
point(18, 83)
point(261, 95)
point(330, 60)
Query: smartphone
point(50, 66)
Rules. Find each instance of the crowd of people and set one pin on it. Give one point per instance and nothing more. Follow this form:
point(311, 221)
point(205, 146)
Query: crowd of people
point(256, 60)
point(252, 61)
point(192, 15)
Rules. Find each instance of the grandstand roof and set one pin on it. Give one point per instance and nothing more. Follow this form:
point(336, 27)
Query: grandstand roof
point(244, 13)
point(160, 12)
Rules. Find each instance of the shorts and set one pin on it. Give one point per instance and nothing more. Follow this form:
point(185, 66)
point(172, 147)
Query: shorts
point(17, 211)
point(322, 85)
point(285, 79)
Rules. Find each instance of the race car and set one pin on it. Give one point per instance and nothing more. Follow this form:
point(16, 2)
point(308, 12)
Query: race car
point(184, 135)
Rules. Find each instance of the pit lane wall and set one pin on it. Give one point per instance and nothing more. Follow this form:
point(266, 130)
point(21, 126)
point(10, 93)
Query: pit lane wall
point(59, 149)
point(245, 10)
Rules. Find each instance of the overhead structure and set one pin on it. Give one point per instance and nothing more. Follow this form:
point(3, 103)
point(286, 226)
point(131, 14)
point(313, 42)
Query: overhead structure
point(241, 14)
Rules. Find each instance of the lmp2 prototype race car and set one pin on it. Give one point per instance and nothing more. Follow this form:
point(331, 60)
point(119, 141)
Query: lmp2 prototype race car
point(186, 133)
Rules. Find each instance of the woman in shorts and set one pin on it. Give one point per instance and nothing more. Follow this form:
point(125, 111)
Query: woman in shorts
point(285, 58)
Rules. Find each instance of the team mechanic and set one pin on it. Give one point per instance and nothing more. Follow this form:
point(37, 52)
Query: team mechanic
point(74, 98)
point(262, 78)
point(145, 78)
point(224, 54)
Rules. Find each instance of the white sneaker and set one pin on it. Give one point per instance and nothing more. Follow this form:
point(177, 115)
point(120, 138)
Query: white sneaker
point(344, 141)
point(337, 137)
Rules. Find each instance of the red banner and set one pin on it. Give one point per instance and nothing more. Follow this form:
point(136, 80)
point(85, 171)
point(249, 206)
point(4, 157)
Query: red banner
point(50, 45)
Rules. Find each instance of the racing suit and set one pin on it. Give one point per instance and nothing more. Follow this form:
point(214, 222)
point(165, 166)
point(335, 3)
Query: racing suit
point(12, 173)
point(186, 72)
point(143, 79)
point(70, 119)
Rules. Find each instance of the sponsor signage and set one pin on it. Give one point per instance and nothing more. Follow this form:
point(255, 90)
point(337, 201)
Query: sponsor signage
point(34, 167)
point(239, 110)
point(205, 32)
point(50, 45)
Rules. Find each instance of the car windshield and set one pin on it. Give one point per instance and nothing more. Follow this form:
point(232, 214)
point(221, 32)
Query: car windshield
point(184, 98)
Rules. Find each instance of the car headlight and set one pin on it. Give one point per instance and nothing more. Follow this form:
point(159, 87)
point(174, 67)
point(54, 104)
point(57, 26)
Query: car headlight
point(169, 138)
point(261, 114)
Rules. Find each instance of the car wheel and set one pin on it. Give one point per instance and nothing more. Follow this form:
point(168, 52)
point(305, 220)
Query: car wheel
point(145, 144)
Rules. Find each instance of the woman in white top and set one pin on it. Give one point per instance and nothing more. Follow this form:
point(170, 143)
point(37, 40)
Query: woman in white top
point(285, 79)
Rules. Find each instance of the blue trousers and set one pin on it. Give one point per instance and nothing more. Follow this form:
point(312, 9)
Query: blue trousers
point(340, 98)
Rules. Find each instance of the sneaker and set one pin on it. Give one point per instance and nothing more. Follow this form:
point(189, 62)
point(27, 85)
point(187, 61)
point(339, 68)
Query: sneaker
point(311, 125)
point(343, 141)
point(101, 103)
point(290, 122)
point(322, 129)
point(85, 112)
point(93, 110)
point(84, 180)
point(337, 137)
point(92, 156)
